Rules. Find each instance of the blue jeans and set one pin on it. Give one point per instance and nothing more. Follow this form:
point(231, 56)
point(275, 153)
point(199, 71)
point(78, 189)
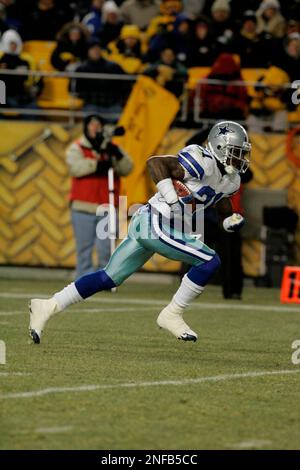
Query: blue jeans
point(84, 227)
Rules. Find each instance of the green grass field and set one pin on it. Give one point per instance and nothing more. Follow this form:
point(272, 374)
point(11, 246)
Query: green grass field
point(147, 389)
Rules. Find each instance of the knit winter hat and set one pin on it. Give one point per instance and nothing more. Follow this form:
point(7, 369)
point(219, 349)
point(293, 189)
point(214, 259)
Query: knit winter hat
point(220, 5)
point(249, 15)
point(130, 31)
point(269, 4)
point(110, 7)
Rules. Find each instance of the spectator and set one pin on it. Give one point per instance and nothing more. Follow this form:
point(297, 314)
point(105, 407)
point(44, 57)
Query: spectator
point(169, 9)
point(175, 36)
point(293, 13)
point(93, 19)
point(111, 23)
point(140, 12)
point(19, 88)
point(159, 25)
point(126, 51)
point(44, 21)
point(3, 23)
point(168, 72)
point(11, 14)
point(238, 7)
point(253, 48)
point(268, 109)
point(288, 56)
point(80, 8)
point(270, 20)
point(222, 25)
point(293, 26)
point(202, 49)
point(89, 164)
point(103, 95)
point(227, 100)
point(193, 8)
point(71, 47)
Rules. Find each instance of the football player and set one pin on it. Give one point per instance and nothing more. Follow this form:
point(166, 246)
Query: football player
point(211, 176)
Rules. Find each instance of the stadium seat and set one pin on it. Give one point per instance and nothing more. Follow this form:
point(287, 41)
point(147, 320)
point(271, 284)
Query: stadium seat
point(294, 116)
point(252, 75)
point(195, 74)
point(55, 95)
point(41, 52)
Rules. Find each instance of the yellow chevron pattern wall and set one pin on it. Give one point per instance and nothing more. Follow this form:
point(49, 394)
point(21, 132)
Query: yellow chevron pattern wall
point(35, 228)
point(272, 170)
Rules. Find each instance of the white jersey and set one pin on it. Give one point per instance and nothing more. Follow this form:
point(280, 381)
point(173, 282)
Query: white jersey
point(203, 178)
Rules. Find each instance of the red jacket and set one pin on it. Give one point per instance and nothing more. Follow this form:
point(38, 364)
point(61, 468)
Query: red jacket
point(93, 188)
point(223, 100)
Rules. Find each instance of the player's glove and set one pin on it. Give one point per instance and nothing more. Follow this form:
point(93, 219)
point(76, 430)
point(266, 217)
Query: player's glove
point(233, 223)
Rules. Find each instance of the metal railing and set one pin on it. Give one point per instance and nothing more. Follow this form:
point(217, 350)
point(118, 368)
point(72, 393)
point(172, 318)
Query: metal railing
point(92, 76)
point(198, 116)
point(116, 86)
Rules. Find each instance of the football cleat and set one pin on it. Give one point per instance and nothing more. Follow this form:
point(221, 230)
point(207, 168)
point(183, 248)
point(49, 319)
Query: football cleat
point(40, 310)
point(170, 319)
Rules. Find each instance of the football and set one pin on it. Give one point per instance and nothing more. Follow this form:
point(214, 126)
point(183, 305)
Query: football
point(184, 194)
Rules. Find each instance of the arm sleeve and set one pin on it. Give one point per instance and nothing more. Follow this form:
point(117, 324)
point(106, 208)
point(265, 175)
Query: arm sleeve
point(234, 187)
point(195, 162)
point(78, 165)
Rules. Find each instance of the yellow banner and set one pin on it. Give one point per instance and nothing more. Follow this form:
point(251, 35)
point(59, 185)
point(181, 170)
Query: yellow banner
point(147, 116)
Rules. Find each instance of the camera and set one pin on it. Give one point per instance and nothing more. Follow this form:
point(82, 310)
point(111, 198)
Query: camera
point(109, 131)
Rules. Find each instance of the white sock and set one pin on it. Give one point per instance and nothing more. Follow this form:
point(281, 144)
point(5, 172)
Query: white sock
point(187, 292)
point(68, 296)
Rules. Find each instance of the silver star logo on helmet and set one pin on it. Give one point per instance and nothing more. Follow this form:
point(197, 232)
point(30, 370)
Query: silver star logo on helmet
point(224, 130)
point(228, 142)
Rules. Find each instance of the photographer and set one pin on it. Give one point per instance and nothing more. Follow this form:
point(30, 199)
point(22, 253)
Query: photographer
point(89, 160)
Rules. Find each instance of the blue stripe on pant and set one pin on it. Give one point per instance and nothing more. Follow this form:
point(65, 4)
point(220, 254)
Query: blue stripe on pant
point(142, 242)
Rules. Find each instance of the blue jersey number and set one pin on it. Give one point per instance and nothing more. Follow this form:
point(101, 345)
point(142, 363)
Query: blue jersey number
point(208, 195)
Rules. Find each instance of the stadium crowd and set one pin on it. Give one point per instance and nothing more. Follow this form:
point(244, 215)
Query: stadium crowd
point(164, 40)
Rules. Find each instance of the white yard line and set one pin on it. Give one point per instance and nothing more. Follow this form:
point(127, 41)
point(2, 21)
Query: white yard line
point(237, 306)
point(143, 302)
point(251, 444)
point(112, 309)
point(16, 295)
point(10, 374)
point(82, 310)
point(199, 380)
point(54, 430)
point(12, 312)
